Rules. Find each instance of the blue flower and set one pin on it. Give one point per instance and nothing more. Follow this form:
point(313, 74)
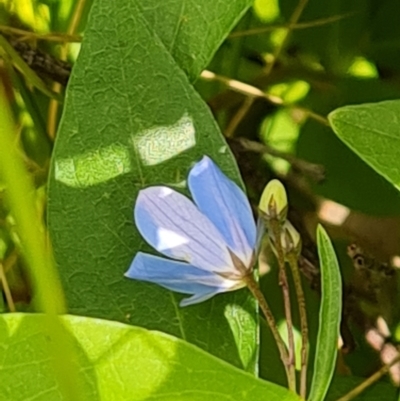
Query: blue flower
point(211, 242)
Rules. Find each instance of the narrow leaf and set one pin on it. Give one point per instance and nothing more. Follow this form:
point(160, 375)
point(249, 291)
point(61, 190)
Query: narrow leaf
point(329, 318)
point(20, 193)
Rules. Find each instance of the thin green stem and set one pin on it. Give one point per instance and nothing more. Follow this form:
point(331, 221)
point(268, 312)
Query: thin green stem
point(292, 258)
point(28, 35)
point(254, 92)
point(6, 289)
point(275, 227)
point(269, 317)
point(369, 381)
point(292, 23)
point(299, 25)
point(238, 117)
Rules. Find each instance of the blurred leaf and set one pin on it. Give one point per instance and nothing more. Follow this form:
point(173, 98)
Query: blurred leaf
point(21, 198)
point(373, 132)
point(384, 35)
point(334, 44)
point(363, 68)
point(266, 10)
point(34, 247)
point(329, 318)
point(132, 120)
point(121, 362)
point(341, 385)
point(42, 149)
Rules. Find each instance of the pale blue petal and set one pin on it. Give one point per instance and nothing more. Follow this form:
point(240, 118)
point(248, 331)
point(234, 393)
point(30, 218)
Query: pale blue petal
point(226, 205)
point(173, 225)
point(176, 276)
point(261, 227)
point(199, 297)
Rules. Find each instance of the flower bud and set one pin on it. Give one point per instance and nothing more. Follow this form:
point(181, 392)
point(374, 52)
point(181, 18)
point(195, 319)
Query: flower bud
point(290, 239)
point(273, 203)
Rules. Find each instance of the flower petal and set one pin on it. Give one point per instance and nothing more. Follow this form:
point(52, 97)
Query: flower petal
point(197, 298)
point(261, 228)
point(173, 225)
point(226, 205)
point(178, 276)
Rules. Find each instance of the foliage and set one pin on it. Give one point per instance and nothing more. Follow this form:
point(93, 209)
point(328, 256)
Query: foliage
point(102, 99)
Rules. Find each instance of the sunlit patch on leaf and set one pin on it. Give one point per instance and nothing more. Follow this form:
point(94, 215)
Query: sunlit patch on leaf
point(159, 144)
point(93, 168)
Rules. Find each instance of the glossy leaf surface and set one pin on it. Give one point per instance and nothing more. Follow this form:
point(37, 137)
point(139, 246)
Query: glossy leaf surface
point(373, 132)
point(120, 362)
point(131, 120)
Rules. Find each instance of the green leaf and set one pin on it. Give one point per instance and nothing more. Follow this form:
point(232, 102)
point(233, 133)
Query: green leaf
point(39, 264)
point(120, 362)
point(372, 131)
point(350, 181)
point(20, 194)
point(193, 31)
point(131, 120)
point(329, 318)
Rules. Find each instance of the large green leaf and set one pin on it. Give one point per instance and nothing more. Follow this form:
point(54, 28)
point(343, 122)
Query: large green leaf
point(329, 318)
point(120, 362)
point(132, 119)
point(373, 132)
point(351, 182)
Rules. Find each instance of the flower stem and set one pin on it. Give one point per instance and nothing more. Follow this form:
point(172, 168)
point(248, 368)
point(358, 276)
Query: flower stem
point(6, 289)
point(292, 258)
point(283, 282)
point(255, 290)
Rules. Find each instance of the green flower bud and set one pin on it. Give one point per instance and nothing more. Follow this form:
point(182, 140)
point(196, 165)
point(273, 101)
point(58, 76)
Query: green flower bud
point(290, 239)
point(273, 203)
